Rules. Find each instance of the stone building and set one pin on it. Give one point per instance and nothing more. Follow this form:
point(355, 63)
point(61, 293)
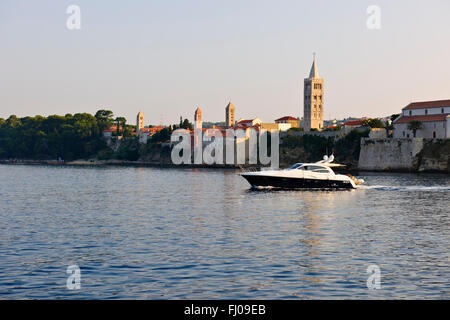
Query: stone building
point(313, 100)
point(275, 126)
point(146, 133)
point(434, 117)
point(294, 122)
point(230, 115)
point(249, 122)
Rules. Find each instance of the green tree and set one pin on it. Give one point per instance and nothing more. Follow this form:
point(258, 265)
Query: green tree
point(186, 125)
point(395, 116)
point(105, 119)
point(13, 121)
point(375, 123)
point(162, 136)
point(68, 137)
point(127, 131)
point(120, 122)
point(414, 126)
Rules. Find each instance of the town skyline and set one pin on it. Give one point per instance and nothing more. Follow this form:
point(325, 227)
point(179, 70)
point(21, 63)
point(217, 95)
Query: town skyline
point(166, 63)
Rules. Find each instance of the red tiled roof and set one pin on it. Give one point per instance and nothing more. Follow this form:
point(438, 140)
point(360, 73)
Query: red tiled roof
point(428, 104)
point(246, 128)
point(112, 128)
point(353, 123)
point(286, 118)
point(153, 130)
point(245, 121)
point(427, 118)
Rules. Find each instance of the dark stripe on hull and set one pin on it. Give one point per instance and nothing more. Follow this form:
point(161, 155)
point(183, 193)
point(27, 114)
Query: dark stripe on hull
point(296, 183)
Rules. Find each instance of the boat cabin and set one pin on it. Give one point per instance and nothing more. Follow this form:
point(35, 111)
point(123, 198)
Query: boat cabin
point(311, 167)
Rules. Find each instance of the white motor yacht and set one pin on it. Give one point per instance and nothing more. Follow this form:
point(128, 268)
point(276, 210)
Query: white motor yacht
point(318, 175)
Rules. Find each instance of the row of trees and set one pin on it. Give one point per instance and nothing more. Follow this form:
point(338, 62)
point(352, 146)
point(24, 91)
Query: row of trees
point(55, 137)
point(164, 134)
point(313, 147)
point(106, 120)
point(69, 137)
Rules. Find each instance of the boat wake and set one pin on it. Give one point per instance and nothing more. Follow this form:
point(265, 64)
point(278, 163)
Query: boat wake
point(404, 188)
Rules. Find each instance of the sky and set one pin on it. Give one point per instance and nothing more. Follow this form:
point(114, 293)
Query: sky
point(167, 57)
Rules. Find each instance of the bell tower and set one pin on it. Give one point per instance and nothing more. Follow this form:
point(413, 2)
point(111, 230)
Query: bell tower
point(139, 123)
point(313, 100)
point(198, 124)
point(230, 115)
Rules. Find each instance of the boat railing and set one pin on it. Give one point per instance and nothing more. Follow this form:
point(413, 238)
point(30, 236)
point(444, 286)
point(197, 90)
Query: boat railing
point(248, 169)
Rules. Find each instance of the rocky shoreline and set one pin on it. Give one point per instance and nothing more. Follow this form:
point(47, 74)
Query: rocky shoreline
point(100, 163)
point(126, 163)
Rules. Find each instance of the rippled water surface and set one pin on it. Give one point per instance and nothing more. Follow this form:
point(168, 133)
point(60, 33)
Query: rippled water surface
point(144, 233)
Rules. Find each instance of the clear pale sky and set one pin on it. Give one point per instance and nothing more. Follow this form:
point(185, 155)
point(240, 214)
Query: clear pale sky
point(165, 58)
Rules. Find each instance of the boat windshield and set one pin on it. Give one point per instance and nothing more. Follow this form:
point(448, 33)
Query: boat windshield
point(318, 169)
point(295, 166)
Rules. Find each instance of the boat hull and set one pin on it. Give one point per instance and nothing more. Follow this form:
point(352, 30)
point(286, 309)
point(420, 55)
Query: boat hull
point(296, 183)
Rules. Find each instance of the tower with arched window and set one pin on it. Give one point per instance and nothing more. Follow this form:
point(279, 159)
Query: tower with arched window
point(313, 100)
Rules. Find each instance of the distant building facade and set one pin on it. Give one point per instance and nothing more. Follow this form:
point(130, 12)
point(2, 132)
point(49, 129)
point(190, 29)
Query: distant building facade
point(313, 100)
point(111, 131)
point(378, 133)
point(275, 126)
point(249, 123)
point(434, 117)
point(294, 122)
point(230, 115)
point(146, 133)
point(352, 125)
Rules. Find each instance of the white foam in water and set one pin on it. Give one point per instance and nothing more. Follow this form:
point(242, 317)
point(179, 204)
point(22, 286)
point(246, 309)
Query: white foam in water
point(406, 188)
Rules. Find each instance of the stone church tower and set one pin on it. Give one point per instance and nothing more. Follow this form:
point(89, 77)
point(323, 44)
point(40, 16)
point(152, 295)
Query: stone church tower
point(313, 100)
point(139, 123)
point(198, 121)
point(230, 115)
point(198, 125)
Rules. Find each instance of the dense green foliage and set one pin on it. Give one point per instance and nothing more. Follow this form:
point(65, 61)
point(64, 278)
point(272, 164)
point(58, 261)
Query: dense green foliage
point(295, 130)
point(374, 123)
point(54, 137)
point(164, 134)
point(347, 149)
point(184, 124)
point(72, 137)
point(395, 116)
point(311, 148)
point(414, 126)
